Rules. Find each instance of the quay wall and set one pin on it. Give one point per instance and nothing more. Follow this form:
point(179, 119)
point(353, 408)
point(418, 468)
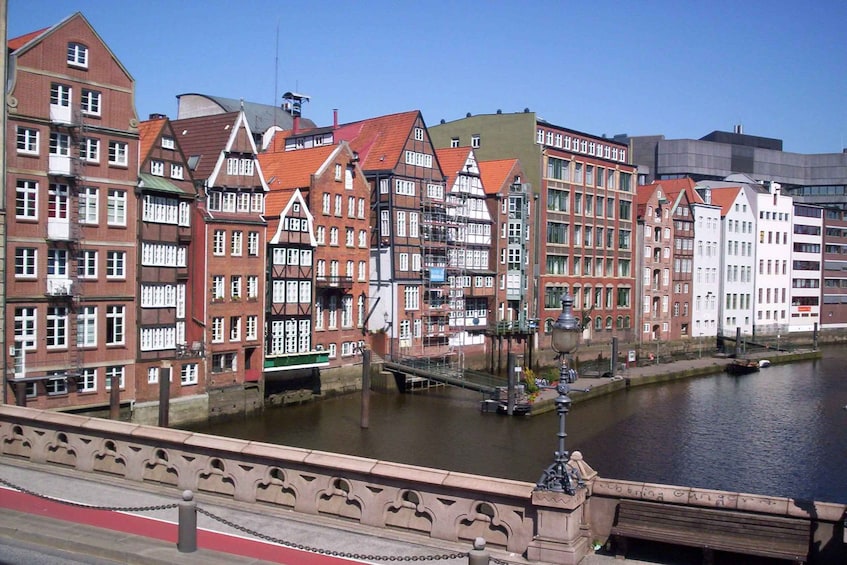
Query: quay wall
point(435, 504)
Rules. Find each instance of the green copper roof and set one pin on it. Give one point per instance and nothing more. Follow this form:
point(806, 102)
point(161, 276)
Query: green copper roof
point(158, 183)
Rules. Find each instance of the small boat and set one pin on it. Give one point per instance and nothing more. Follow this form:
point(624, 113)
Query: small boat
point(764, 363)
point(742, 366)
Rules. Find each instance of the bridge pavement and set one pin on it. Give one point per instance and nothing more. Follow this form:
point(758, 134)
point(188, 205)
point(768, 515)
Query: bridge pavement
point(149, 537)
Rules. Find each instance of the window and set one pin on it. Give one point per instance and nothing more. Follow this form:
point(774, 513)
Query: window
point(188, 374)
point(454, 142)
point(157, 168)
point(234, 328)
point(252, 330)
point(235, 286)
point(28, 139)
point(60, 95)
point(87, 264)
point(363, 238)
point(252, 287)
point(57, 262)
point(253, 243)
point(88, 205)
point(118, 153)
point(115, 325)
point(77, 55)
point(320, 235)
point(57, 385)
point(113, 373)
point(219, 242)
point(87, 380)
point(475, 140)
point(116, 208)
point(86, 323)
point(217, 287)
point(224, 362)
point(89, 149)
point(237, 238)
point(217, 329)
point(404, 261)
point(90, 102)
point(26, 200)
point(57, 201)
point(25, 261)
point(414, 224)
point(25, 328)
point(338, 204)
point(401, 223)
point(350, 237)
point(411, 297)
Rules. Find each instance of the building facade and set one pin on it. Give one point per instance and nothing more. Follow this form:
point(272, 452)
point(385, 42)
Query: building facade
point(70, 304)
point(230, 235)
point(655, 260)
point(170, 339)
point(584, 221)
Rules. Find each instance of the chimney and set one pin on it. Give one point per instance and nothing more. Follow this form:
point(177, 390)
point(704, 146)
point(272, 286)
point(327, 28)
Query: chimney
point(296, 125)
point(157, 117)
point(335, 118)
point(739, 129)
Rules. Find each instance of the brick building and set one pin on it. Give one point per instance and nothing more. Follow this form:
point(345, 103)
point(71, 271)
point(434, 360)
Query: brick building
point(72, 169)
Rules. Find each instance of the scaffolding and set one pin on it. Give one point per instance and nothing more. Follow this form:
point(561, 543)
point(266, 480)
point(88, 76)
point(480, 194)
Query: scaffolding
point(443, 226)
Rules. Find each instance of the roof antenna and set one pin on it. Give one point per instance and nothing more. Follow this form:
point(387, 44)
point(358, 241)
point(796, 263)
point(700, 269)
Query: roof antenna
point(276, 72)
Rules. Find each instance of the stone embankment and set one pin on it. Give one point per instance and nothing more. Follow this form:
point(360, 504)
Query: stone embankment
point(591, 387)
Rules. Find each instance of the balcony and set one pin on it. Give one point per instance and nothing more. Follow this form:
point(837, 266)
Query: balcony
point(59, 229)
point(334, 282)
point(60, 166)
point(288, 361)
point(61, 114)
point(59, 287)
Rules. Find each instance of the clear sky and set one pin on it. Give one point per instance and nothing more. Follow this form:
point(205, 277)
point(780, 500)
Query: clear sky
point(678, 68)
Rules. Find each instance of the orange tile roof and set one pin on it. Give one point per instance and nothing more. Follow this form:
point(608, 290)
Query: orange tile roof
point(725, 197)
point(379, 141)
point(276, 201)
point(17, 42)
point(149, 132)
point(452, 160)
point(293, 169)
point(497, 173)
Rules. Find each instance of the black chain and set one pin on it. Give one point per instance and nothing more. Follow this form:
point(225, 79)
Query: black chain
point(331, 553)
point(89, 506)
point(359, 556)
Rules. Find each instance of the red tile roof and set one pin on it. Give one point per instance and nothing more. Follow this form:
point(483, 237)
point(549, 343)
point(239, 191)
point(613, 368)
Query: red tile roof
point(276, 201)
point(497, 173)
point(293, 169)
point(17, 42)
point(725, 197)
point(205, 136)
point(149, 132)
point(453, 160)
point(379, 141)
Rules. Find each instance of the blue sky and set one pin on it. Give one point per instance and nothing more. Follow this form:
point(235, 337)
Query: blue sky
point(682, 69)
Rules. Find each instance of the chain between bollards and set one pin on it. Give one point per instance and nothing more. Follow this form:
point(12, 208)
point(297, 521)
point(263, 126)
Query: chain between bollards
point(187, 540)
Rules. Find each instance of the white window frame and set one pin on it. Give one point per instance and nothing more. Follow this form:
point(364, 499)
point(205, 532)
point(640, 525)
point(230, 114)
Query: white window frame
point(90, 102)
point(86, 320)
point(118, 153)
point(77, 55)
point(28, 140)
point(116, 201)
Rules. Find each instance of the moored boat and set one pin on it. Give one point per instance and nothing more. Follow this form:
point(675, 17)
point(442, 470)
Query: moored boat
point(742, 366)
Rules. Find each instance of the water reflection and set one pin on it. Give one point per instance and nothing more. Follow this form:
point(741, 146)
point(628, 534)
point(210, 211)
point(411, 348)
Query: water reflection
point(782, 431)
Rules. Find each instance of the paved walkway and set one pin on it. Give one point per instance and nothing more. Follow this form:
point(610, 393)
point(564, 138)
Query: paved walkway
point(150, 536)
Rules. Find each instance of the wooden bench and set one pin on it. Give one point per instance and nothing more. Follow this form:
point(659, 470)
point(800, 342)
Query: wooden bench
point(712, 530)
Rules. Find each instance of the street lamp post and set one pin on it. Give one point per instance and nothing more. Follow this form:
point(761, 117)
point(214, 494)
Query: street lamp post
point(558, 477)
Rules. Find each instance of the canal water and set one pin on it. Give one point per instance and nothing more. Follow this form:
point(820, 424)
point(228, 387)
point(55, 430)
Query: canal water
point(781, 431)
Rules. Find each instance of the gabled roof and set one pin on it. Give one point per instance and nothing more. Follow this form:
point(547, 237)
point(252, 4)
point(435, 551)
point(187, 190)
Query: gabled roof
point(725, 198)
point(496, 173)
point(18, 45)
point(17, 42)
point(453, 160)
point(294, 169)
point(261, 117)
point(149, 132)
point(206, 137)
point(379, 141)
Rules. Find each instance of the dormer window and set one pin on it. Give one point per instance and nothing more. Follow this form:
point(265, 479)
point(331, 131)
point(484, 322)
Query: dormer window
point(167, 143)
point(77, 55)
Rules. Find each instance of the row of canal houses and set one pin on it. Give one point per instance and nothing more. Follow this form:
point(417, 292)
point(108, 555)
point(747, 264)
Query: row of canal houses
point(240, 249)
point(228, 252)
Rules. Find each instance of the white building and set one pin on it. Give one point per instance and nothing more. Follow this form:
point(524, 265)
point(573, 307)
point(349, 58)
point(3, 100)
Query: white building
point(806, 268)
point(737, 260)
point(706, 287)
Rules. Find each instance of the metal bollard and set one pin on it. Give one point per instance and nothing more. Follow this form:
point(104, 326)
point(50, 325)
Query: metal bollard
point(478, 555)
point(187, 535)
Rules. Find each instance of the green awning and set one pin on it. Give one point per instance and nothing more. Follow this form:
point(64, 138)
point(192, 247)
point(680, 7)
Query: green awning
point(153, 182)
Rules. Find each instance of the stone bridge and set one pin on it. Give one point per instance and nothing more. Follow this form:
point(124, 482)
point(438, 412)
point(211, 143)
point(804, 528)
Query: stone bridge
point(433, 503)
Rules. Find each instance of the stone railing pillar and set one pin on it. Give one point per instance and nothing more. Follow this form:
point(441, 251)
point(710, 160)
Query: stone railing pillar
point(559, 537)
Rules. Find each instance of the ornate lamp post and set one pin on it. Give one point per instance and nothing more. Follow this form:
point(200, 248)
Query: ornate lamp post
point(558, 477)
